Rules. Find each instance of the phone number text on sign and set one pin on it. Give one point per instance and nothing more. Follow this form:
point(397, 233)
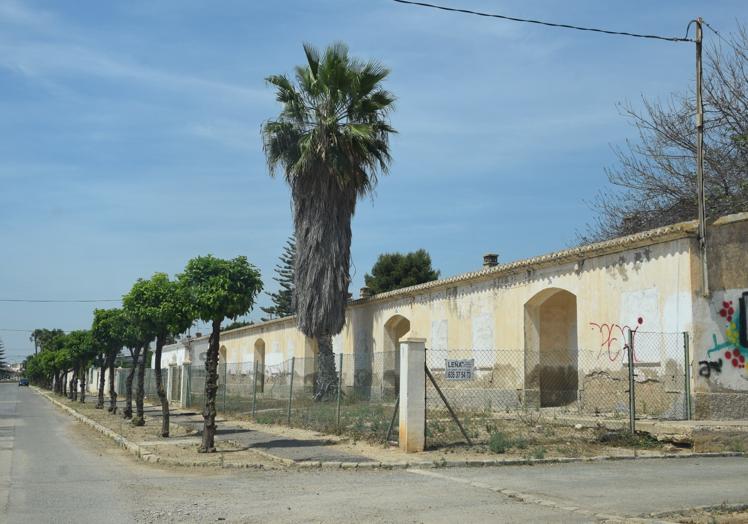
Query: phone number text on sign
point(456, 369)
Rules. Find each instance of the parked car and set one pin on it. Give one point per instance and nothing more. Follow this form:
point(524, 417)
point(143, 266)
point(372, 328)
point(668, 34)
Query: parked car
point(23, 382)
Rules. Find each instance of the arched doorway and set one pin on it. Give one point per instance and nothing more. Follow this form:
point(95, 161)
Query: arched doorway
point(259, 363)
point(394, 330)
point(551, 351)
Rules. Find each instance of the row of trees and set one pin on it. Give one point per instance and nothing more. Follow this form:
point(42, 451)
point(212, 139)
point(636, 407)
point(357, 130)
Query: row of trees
point(331, 140)
point(209, 289)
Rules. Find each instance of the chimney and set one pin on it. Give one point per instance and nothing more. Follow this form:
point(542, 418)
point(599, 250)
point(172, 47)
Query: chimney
point(365, 292)
point(490, 260)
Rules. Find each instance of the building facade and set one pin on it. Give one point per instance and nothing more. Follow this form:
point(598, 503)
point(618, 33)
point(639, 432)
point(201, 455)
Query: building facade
point(549, 329)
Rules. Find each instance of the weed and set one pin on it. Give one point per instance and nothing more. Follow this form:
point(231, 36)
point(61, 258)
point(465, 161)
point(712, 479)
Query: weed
point(539, 452)
point(499, 442)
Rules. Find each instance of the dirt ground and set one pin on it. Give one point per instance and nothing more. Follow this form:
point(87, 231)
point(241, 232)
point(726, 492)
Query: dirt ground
point(715, 515)
point(496, 439)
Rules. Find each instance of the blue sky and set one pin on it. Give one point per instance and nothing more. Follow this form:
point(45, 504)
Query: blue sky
point(130, 132)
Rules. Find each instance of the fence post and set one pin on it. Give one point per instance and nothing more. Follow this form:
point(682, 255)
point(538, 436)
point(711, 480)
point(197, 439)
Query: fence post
point(225, 384)
point(254, 390)
point(413, 395)
point(290, 390)
point(184, 394)
point(687, 373)
point(340, 386)
point(632, 394)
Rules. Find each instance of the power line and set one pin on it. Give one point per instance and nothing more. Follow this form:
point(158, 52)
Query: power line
point(725, 40)
point(27, 330)
point(51, 301)
point(549, 24)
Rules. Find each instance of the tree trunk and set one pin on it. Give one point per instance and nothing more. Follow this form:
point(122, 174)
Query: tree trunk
point(327, 377)
point(160, 387)
point(64, 384)
point(112, 393)
point(139, 419)
point(84, 371)
point(102, 381)
point(73, 389)
point(135, 353)
point(211, 388)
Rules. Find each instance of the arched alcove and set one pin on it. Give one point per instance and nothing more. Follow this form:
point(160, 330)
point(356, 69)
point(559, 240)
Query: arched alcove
point(551, 351)
point(394, 330)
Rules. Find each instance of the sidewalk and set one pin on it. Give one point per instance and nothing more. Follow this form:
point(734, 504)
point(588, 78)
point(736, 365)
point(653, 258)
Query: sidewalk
point(246, 444)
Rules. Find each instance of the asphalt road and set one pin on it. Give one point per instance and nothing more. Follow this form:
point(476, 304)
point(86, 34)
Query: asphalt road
point(52, 469)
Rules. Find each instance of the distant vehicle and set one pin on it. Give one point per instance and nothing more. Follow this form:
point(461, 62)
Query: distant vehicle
point(23, 382)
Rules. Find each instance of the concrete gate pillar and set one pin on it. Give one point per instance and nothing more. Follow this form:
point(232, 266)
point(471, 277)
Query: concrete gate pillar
point(413, 395)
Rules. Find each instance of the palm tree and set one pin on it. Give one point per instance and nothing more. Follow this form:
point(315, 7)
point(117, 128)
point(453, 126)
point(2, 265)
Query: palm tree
point(331, 140)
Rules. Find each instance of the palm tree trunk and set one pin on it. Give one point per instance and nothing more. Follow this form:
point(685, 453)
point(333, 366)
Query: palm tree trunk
point(84, 370)
point(112, 393)
point(160, 388)
point(64, 384)
point(211, 388)
point(135, 353)
point(327, 377)
point(102, 382)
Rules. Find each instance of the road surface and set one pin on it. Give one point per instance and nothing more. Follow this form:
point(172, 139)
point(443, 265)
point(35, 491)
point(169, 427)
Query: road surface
point(52, 469)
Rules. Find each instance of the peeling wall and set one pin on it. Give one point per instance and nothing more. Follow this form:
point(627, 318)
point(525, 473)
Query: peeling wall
point(640, 286)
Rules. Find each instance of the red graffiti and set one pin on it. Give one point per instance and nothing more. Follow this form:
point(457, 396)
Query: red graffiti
point(727, 310)
point(609, 335)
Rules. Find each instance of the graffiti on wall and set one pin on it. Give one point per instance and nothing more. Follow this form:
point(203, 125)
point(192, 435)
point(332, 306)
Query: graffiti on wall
point(614, 339)
point(731, 350)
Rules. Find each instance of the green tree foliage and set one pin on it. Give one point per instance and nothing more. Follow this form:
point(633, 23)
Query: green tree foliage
point(159, 308)
point(283, 299)
point(218, 289)
point(395, 271)
point(331, 140)
point(41, 337)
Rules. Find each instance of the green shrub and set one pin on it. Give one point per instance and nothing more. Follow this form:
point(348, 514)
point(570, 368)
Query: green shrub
point(499, 442)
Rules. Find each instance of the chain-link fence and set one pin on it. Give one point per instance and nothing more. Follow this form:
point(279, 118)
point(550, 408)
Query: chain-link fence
point(564, 386)
point(560, 385)
point(362, 404)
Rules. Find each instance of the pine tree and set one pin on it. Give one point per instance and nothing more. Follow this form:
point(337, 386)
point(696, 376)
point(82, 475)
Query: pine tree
point(283, 300)
point(3, 363)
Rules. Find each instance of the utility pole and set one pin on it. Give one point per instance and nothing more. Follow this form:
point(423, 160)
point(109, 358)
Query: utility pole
point(700, 162)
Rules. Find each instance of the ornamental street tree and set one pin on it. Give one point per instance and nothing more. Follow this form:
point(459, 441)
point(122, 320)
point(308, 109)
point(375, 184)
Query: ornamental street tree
point(283, 299)
point(159, 309)
point(108, 331)
point(218, 289)
point(79, 346)
point(135, 341)
point(331, 140)
point(395, 270)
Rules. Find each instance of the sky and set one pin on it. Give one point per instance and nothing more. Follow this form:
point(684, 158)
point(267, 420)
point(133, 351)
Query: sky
point(130, 133)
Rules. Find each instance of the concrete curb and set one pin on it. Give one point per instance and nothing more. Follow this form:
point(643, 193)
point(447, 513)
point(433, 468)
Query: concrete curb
point(153, 458)
point(437, 464)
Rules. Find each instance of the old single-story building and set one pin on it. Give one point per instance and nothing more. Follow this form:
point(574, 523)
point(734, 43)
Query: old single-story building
point(547, 330)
